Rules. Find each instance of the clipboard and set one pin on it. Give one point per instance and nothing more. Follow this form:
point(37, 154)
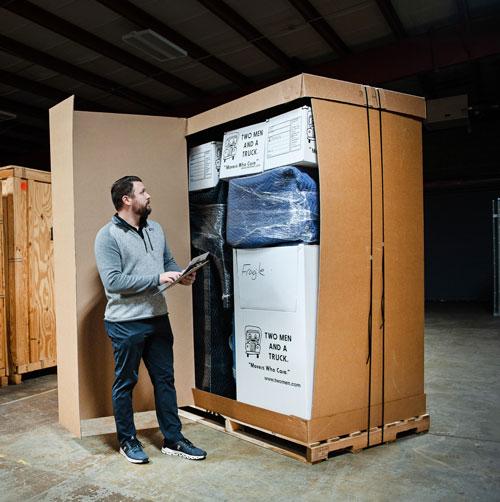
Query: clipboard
point(193, 266)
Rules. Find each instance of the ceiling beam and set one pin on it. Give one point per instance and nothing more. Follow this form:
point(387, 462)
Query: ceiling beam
point(59, 66)
point(392, 18)
point(23, 144)
point(408, 57)
point(250, 33)
point(80, 36)
point(13, 129)
point(37, 159)
point(463, 12)
point(20, 109)
point(40, 89)
point(415, 55)
point(318, 23)
point(141, 18)
point(9, 146)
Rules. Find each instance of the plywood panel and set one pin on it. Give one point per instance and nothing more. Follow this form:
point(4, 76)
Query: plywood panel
point(41, 275)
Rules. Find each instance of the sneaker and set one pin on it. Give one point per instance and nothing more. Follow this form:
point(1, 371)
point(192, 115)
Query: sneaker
point(183, 448)
point(132, 450)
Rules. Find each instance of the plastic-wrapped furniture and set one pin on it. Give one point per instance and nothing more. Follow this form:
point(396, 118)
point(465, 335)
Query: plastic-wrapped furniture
point(280, 206)
point(212, 292)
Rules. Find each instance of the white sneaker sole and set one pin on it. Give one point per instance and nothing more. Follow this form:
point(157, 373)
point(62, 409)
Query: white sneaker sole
point(175, 453)
point(133, 460)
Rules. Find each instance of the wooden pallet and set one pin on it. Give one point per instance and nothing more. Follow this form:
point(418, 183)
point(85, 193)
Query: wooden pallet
point(308, 453)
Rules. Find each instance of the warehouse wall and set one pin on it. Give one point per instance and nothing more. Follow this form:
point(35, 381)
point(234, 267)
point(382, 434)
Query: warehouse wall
point(458, 245)
point(460, 171)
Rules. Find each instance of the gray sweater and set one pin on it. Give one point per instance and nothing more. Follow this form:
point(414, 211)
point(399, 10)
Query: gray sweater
point(130, 266)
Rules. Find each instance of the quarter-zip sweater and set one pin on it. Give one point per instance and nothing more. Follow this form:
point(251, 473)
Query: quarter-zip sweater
point(130, 262)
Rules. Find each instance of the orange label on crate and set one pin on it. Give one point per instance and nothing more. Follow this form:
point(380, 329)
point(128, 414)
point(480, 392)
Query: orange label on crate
point(24, 185)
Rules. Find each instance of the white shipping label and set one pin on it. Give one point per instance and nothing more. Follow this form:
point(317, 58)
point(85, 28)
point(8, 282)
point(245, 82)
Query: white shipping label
point(201, 165)
point(284, 137)
point(267, 278)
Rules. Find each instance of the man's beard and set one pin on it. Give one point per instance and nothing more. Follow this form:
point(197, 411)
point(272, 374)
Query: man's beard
point(143, 212)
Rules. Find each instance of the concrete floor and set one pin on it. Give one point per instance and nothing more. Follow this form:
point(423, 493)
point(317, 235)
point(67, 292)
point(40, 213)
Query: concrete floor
point(459, 459)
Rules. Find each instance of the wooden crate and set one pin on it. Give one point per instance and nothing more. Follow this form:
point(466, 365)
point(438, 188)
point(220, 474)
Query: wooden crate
point(4, 371)
point(28, 266)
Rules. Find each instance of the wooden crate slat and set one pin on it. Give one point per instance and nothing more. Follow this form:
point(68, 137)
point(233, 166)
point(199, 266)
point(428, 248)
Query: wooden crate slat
point(3, 324)
point(25, 173)
point(40, 259)
point(17, 285)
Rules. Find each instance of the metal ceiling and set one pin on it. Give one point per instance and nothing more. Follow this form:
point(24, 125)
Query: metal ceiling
point(50, 49)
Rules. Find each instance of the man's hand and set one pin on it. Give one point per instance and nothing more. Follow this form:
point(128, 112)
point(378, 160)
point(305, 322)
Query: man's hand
point(189, 279)
point(169, 277)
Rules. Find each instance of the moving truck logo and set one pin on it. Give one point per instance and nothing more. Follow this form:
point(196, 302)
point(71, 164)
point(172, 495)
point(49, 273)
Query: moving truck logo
point(253, 336)
point(230, 144)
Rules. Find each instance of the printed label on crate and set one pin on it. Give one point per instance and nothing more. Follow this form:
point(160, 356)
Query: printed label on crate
point(273, 369)
point(284, 137)
point(243, 151)
point(204, 165)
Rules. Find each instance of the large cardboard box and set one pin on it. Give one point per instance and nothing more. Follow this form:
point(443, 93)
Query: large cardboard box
point(291, 140)
point(369, 341)
point(275, 302)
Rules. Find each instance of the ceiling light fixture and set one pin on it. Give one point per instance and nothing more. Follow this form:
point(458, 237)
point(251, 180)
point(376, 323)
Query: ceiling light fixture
point(154, 45)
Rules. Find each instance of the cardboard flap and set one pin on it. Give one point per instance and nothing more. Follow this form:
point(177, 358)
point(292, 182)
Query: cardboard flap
point(404, 104)
point(104, 148)
point(61, 158)
point(268, 97)
point(312, 86)
point(344, 280)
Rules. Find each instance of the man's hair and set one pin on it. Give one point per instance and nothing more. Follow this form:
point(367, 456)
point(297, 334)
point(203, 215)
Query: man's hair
point(121, 187)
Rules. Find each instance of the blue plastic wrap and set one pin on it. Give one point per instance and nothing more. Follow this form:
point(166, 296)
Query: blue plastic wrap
point(279, 206)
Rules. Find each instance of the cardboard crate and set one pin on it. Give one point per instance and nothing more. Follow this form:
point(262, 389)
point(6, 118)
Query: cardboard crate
point(369, 149)
point(28, 270)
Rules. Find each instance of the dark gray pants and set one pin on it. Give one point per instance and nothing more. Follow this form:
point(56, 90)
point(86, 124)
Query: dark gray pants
point(151, 340)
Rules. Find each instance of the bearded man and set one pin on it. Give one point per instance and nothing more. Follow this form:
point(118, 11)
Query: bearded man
point(134, 259)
